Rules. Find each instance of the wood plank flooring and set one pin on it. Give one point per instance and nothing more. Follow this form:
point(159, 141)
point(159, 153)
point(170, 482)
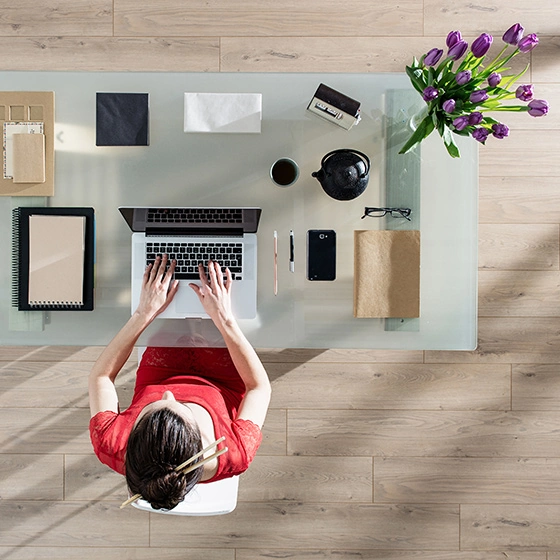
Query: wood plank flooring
point(378, 455)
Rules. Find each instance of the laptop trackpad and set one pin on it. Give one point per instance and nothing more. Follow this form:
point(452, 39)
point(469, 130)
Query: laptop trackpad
point(187, 302)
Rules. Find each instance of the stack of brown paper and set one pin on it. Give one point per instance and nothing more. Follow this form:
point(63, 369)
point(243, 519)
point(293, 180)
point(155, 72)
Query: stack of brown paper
point(34, 165)
point(29, 158)
point(386, 273)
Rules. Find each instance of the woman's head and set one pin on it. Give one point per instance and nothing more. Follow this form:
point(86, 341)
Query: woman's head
point(161, 440)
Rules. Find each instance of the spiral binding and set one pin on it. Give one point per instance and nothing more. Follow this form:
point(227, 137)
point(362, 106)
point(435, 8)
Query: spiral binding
point(15, 257)
point(50, 305)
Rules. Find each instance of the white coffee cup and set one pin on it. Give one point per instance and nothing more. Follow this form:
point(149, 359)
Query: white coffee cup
point(284, 172)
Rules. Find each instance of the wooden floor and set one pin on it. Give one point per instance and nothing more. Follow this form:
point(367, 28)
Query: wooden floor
point(377, 455)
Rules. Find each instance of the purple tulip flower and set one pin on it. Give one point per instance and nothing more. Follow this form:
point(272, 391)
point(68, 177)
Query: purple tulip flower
point(538, 108)
point(433, 56)
point(449, 106)
point(458, 50)
point(463, 77)
point(481, 45)
point(528, 43)
point(475, 118)
point(525, 92)
point(500, 130)
point(478, 96)
point(452, 38)
point(494, 79)
point(461, 122)
point(513, 35)
point(480, 134)
point(429, 94)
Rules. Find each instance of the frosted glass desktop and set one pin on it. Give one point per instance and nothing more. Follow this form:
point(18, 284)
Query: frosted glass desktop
point(179, 169)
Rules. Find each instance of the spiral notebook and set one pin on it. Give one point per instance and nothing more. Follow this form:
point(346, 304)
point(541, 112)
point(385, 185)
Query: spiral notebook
point(53, 258)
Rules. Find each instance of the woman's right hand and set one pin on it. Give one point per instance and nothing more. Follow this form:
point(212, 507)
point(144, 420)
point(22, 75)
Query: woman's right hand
point(158, 288)
point(215, 294)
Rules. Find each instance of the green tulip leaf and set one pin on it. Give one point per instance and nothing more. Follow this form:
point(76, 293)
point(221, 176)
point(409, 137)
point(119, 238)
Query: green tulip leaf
point(416, 78)
point(463, 132)
point(452, 148)
point(424, 129)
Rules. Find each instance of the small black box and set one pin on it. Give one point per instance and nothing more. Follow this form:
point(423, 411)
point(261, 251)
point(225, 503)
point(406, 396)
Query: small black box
point(335, 107)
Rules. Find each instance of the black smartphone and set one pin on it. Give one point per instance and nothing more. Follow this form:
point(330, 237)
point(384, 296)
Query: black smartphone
point(321, 254)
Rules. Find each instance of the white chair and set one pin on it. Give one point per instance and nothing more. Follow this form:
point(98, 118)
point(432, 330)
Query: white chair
point(214, 498)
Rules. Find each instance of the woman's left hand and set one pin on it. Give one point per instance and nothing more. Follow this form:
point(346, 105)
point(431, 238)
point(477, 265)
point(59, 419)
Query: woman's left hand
point(158, 288)
point(215, 294)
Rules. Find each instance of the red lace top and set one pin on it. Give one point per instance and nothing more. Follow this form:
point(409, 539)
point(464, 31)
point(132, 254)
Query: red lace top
point(211, 382)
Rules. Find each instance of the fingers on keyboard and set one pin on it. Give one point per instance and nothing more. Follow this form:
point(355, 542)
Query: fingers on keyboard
point(189, 255)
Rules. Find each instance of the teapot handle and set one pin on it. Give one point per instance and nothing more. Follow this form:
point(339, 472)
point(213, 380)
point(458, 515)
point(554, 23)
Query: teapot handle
point(361, 154)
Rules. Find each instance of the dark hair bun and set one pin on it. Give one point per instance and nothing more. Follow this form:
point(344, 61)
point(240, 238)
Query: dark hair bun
point(160, 442)
point(166, 491)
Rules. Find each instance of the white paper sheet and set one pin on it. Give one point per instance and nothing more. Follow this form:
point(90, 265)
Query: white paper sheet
point(223, 112)
point(11, 128)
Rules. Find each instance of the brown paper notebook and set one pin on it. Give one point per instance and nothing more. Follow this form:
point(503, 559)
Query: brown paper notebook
point(56, 260)
point(386, 273)
point(28, 158)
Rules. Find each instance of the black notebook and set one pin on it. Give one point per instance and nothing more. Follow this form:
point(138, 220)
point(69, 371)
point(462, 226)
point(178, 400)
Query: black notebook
point(122, 119)
point(53, 257)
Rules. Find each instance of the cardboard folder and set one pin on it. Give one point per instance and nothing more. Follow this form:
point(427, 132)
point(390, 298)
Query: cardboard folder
point(386, 273)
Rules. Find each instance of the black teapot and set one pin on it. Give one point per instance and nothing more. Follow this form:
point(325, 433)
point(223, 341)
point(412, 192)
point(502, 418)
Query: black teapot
point(344, 174)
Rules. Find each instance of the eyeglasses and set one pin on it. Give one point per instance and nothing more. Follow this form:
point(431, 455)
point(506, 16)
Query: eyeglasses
point(394, 212)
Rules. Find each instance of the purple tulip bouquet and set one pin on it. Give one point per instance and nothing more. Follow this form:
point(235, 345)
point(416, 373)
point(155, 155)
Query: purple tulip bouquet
point(459, 99)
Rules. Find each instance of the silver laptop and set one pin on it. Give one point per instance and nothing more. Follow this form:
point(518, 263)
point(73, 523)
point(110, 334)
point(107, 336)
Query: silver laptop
point(191, 236)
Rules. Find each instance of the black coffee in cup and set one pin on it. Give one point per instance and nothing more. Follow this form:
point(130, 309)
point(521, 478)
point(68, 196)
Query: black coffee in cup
point(284, 172)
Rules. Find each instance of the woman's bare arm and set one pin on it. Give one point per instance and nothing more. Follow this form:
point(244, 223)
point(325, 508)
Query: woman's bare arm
point(158, 289)
point(215, 296)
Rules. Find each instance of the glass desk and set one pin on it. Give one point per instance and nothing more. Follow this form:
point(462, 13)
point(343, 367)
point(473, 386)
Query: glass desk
point(179, 169)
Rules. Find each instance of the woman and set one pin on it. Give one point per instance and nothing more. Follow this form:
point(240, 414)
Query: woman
point(184, 399)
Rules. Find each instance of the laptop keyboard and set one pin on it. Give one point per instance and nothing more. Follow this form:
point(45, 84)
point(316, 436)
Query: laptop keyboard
point(195, 215)
point(189, 255)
